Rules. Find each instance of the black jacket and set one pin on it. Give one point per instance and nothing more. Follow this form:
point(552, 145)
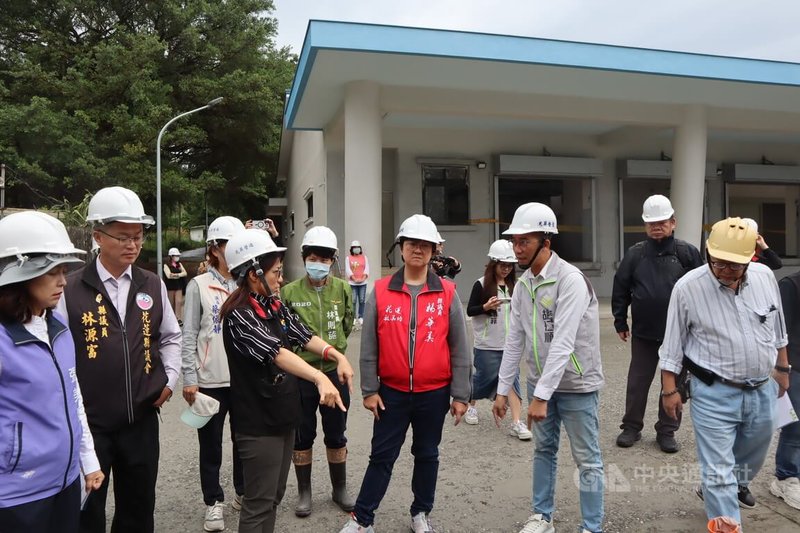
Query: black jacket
point(790, 297)
point(769, 258)
point(644, 281)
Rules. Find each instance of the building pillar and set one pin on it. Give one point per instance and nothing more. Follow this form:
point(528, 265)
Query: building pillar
point(362, 172)
point(689, 174)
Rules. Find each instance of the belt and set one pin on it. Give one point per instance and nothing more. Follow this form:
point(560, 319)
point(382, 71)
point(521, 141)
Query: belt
point(743, 386)
point(708, 377)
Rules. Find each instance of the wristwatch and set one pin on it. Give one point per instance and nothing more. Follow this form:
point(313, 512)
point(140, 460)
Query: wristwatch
point(783, 369)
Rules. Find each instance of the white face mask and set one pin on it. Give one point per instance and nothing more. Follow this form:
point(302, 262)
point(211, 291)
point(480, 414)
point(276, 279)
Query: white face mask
point(356, 251)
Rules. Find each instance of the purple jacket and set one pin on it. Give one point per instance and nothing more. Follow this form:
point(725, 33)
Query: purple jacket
point(39, 427)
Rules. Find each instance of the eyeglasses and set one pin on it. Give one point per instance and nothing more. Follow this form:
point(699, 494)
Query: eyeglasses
point(522, 243)
point(124, 240)
point(412, 243)
point(720, 265)
point(506, 265)
point(277, 273)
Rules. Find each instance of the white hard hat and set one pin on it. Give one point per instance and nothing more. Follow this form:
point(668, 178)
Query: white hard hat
point(752, 223)
point(31, 244)
point(657, 208)
point(419, 227)
point(174, 252)
point(531, 218)
point(246, 246)
point(441, 239)
point(320, 237)
point(223, 228)
point(502, 250)
point(117, 204)
point(355, 244)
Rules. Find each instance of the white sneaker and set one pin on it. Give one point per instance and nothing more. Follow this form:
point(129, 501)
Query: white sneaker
point(788, 490)
point(537, 524)
point(237, 502)
point(214, 520)
point(361, 321)
point(421, 524)
point(353, 527)
point(521, 431)
point(471, 417)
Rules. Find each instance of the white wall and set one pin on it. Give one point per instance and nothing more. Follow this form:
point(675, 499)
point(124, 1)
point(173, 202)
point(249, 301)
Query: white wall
point(402, 181)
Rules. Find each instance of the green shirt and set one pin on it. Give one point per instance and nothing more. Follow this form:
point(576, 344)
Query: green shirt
point(326, 310)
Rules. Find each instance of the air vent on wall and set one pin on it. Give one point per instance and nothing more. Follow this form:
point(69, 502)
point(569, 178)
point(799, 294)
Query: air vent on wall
point(639, 168)
point(761, 173)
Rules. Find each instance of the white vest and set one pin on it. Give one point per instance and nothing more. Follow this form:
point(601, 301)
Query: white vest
point(490, 332)
point(210, 360)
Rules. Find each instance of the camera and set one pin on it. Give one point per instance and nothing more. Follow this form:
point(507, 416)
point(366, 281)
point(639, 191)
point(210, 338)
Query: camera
point(263, 225)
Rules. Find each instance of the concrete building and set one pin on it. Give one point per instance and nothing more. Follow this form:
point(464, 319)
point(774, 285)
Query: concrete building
point(383, 122)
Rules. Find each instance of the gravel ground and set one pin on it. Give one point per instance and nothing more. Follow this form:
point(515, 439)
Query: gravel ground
point(485, 475)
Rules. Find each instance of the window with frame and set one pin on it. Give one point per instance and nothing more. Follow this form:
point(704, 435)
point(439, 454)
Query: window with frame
point(571, 199)
point(445, 194)
point(310, 206)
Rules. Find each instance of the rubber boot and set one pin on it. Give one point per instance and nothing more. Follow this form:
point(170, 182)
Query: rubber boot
point(337, 464)
point(302, 468)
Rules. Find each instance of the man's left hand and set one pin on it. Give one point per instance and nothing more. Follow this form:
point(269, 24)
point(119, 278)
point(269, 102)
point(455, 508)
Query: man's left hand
point(166, 394)
point(345, 372)
point(782, 379)
point(537, 411)
point(457, 409)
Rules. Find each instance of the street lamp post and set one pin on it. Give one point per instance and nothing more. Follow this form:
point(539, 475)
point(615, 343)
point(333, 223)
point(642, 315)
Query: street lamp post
point(212, 103)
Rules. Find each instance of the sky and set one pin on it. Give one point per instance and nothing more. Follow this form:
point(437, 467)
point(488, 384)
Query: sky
point(764, 29)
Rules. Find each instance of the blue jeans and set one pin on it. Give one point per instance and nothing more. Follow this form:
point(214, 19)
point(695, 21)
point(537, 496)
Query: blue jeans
point(425, 412)
point(484, 380)
point(359, 296)
point(787, 456)
point(732, 428)
point(579, 414)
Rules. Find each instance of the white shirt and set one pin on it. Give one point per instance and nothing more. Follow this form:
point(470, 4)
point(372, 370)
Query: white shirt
point(735, 334)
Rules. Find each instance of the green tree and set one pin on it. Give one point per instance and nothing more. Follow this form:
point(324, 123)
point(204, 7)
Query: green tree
point(86, 85)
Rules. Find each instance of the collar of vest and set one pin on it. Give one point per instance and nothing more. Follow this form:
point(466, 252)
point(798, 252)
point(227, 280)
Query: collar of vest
point(434, 283)
point(20, 335)
point(92, 278)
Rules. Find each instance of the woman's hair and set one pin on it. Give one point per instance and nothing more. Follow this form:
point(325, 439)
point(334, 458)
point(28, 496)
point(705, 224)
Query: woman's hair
point(213, 260)
point(238, 298)
point(319, 251)
point(16, 304)
point(490, 281)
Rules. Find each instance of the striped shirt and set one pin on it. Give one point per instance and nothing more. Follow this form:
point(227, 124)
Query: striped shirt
point(250, 335)
point(734, 335)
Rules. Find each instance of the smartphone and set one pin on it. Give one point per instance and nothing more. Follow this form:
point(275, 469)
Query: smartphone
point(505, 299)
point(263, 225)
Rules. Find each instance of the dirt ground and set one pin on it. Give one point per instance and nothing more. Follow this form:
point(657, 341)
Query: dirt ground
point(485, 475)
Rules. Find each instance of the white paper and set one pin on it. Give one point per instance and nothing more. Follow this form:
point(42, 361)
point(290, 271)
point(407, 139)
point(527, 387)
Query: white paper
point(784, 412)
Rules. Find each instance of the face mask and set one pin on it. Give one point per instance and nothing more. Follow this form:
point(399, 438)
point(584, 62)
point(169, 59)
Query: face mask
point(356, 251)
point(317, 271)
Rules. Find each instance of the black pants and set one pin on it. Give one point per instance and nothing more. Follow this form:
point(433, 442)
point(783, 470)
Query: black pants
point(642, 370)
point(131, 455)
point(210, 438)
point(59, 513)
point(266, 461)
point(334, 420)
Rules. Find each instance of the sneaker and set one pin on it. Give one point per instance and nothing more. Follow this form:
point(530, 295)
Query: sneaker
point(421, 524)
point(537, 524)
point(471, 417)
point(354, 527)
point(521, 431)
point(628, 437)
point(237, 502)
point(746, 498)
point(361, 321)
point(788, 490)
point(214, 520)
point(667, 443)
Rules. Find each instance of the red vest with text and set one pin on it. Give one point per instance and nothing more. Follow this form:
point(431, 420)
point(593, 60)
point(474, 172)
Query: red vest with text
point(413, 359)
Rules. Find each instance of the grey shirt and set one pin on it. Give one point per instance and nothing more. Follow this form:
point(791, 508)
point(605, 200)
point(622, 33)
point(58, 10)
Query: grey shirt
point(736, 335)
